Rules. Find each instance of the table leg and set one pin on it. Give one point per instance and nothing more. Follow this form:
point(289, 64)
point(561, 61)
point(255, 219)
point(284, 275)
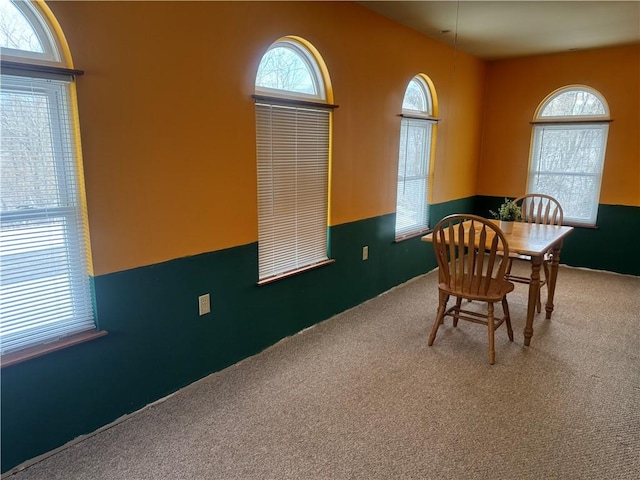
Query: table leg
point(534, 291)
point(553, 275)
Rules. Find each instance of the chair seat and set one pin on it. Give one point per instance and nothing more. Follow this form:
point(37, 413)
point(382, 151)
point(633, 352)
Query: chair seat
point(495, 293)
point(526, 280)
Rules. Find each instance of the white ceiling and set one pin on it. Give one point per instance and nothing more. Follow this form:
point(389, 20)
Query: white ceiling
point(503, 29)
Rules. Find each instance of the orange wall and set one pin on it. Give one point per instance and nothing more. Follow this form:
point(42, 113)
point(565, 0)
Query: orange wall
point(168, 127)
point(460, 133)
point(515, 88)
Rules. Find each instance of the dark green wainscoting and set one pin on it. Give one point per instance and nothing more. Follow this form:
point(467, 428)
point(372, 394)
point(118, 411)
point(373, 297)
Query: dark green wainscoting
point(157, 342)
point(612, 246)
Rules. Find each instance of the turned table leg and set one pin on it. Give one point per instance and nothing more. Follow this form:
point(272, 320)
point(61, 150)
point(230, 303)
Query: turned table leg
point(534, 291)
point(553, 275)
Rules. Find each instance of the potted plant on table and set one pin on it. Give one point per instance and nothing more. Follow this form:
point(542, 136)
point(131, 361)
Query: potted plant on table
point(508, 213)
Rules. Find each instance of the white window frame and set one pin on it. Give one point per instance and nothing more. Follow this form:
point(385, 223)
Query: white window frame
point(46, 291)
point(413, 184)
point(579, 209)
point(293, 154)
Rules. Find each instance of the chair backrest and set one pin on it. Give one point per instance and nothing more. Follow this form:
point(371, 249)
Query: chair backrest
point(469, 270)
point(540, 208)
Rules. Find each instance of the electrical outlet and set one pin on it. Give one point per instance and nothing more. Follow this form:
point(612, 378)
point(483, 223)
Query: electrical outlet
point(204, 304)
point(365, 252)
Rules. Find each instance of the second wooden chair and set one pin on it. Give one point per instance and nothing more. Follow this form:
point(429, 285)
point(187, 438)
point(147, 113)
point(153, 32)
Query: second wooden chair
point(540, 209)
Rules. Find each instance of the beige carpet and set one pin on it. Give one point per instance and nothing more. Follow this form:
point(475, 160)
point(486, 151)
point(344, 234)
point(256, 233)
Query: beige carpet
point(361, 396)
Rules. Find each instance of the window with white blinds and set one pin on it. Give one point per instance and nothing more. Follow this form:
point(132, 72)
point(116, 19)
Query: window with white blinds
point(45, 261)
point(412, 214)
point(292, 144)
point(45, 289)
point(293, 177)
point(567, 155)
point(416, 132)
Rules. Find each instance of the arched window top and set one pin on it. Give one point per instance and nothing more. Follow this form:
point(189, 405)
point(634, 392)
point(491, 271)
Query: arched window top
point(290, 69)
point(26, 35)
point(571, 102)
point(417, 97)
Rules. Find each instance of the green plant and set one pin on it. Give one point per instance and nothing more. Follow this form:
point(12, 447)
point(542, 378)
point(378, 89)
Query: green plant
point(508, 212)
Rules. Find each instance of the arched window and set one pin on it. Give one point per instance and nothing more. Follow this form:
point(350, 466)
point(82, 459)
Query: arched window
point(288, 69)
point(293, 118)
point(414, 159)
point(25, 34)
point(44, 249)
point(568, 150)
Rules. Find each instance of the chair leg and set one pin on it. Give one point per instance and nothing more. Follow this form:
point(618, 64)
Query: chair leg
point(442, 306)
point(456, 316)
point(507, 318)
point(492, 349)
point(507, 270)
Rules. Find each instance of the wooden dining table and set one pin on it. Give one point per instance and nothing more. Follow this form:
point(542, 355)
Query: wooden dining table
point(535, 241)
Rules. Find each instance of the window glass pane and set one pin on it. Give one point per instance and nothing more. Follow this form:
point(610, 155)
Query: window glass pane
point(571, 148)
point(414, 98)
point(283, 68)
point(28, 164)
point(575, 193)
point(573, 103)
point(413, 138)
point(412, 205)
point(16, 31)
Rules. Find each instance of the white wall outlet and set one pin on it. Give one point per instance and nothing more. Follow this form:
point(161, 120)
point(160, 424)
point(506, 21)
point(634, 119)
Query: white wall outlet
point(204, 304)
point(365, 252)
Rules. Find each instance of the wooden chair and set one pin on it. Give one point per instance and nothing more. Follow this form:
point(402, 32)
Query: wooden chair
point(540, 209)
point(471, 273)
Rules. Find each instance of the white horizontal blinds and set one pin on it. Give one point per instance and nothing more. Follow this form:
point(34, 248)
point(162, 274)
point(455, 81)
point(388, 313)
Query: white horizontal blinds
point(413, 168)
point(45, 288)
point(293, 173)
point(567, 163)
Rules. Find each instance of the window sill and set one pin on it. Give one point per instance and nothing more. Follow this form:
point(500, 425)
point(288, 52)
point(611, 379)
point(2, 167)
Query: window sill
point(421, 233)
point(580, 225)
point(275, 278)
point(20, 356)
